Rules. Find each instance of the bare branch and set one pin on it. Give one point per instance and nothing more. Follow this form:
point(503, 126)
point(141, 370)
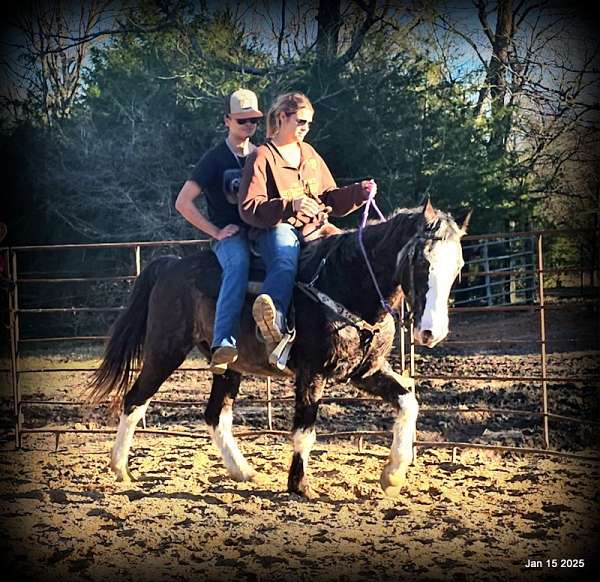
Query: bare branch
point(359, 37)
point(482, 14)
point(448, 26)
point(281, 32)
point(526, 12)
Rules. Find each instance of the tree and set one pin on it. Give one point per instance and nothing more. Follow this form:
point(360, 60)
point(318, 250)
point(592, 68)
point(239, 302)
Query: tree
point(44, 81)
point(537, 89)
point(391, 100)
point(148, 115)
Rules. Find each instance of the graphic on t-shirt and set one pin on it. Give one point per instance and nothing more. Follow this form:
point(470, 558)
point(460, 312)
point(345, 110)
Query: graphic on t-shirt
point(231, 184)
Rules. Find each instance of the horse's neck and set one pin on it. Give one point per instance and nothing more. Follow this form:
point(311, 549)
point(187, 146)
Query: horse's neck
point(348, 280)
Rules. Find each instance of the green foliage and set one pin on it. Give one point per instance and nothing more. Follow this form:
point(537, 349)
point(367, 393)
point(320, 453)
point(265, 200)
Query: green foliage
point(152, 103)
point(396, 120)
point(150, 111)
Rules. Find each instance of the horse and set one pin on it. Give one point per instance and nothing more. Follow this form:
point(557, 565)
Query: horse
point(348, 290)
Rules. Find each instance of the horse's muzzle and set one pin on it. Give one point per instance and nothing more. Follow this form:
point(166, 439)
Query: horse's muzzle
point(425, 337)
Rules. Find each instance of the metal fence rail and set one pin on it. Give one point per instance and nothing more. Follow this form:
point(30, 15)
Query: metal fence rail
point(538, 306)
point(498, 271)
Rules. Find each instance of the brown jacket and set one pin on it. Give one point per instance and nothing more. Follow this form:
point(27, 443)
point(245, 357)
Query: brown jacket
point(269, 185)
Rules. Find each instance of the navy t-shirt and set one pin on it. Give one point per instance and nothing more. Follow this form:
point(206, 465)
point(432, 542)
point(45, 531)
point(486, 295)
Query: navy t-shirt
point(214, 173)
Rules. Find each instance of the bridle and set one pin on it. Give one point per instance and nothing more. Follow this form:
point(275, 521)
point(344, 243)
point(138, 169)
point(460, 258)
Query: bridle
point(407, 253)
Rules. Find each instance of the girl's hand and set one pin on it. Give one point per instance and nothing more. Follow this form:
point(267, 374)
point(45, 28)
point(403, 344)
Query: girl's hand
point(368, 187)
point(305, 205)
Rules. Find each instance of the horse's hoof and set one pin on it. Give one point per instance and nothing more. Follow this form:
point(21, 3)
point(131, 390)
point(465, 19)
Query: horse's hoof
point(308, 494)
point(259, 479)
point(391, 481)
point(391, 491)
point(303, 489)
point(122, 475)
point(242, 476)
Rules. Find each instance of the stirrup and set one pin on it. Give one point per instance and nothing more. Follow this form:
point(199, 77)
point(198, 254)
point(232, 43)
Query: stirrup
point(279, 356)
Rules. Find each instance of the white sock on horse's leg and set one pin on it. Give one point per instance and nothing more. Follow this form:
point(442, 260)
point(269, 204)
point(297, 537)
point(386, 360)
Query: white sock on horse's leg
point(401, 452)
point(303, 440)
point(224, 440)
point(120, 452)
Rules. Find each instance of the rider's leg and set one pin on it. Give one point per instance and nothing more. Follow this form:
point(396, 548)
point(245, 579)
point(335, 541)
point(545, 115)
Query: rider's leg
point(280, 250)
point(234, 257)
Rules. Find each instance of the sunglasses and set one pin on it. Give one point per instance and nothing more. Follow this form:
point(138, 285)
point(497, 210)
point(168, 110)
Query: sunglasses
point(253, 120)
point(300, 122)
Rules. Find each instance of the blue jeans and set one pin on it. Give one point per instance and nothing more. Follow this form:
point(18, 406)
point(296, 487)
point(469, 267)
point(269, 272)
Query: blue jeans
point(279, 248)
point(233, 253)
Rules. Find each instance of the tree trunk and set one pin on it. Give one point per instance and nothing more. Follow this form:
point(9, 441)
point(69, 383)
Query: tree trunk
point(497, 77)
point(329, 22)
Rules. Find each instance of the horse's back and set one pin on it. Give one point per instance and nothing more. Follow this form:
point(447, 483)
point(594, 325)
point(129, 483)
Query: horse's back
point(203, 271)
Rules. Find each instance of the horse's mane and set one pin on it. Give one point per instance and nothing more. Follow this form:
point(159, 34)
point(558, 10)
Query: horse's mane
point(378, 235)
point(444, 226)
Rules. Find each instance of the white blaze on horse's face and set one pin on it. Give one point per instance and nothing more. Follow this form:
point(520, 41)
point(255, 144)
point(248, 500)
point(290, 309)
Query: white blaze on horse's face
point(445, 262)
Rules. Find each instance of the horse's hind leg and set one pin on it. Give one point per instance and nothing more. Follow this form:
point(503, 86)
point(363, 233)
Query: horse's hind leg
point(153, 373)
point(309, 390)
point(395, 389)
point(219, 417)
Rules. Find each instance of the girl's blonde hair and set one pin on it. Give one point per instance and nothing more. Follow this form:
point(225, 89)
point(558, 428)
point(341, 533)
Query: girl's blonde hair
point(288, 103)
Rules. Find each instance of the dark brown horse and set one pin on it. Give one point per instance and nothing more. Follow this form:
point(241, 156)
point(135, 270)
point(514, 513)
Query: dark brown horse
point(415, 252)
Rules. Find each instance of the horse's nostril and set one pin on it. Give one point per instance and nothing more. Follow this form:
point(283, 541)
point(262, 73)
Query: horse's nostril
point(426, 336)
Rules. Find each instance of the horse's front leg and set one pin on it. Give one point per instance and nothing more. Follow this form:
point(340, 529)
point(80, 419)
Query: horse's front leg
point(398, 391)
point(219, 417)
point(309, 389)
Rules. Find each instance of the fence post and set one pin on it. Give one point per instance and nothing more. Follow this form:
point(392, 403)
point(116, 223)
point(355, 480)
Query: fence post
point(412, 375)
point(540, 269)
point(486, 266)
point(513, 263)
point(14, 344)
point(138, 260)
point(137, 254)
point(582, 272)
point(531, 293)
point(269, 404)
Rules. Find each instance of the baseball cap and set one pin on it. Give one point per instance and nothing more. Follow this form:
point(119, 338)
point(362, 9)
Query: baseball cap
point(242, 104)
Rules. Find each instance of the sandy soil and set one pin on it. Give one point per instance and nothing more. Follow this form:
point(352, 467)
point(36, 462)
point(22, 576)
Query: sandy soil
point(484, 515)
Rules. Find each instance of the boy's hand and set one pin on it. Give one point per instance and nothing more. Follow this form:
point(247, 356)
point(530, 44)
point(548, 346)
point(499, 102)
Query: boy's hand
point(227, 231)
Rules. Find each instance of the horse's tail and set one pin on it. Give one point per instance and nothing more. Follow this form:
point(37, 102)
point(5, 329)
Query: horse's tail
point(124, 351)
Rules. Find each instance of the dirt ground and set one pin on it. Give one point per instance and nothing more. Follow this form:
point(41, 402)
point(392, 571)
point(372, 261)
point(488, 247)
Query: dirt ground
point(483, 515)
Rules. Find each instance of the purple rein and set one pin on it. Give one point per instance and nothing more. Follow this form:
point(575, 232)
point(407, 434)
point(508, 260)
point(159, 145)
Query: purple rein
point(371, 203)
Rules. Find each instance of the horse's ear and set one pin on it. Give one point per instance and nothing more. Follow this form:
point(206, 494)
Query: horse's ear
point(428, 211)
point(465, 221)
